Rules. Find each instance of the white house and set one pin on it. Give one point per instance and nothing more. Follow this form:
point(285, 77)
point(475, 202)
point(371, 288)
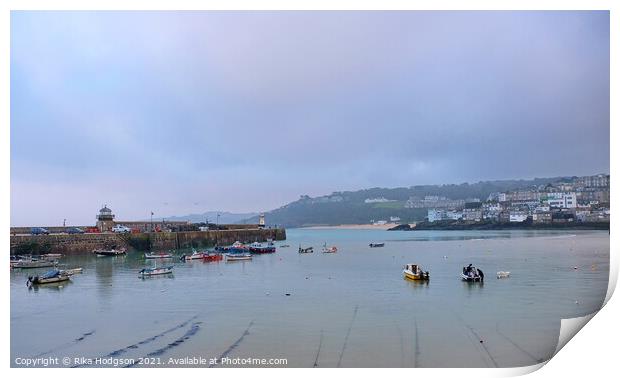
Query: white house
point(518, 215)
point(562, 200)
point(436, 215)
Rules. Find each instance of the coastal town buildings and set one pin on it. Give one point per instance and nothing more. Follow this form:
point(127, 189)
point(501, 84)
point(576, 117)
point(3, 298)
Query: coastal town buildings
point(580, 199)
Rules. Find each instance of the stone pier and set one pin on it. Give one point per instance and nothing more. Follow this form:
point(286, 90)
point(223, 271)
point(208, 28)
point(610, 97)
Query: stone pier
point(85, 243)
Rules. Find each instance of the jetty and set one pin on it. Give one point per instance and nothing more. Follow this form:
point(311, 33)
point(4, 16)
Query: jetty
point(23, 244)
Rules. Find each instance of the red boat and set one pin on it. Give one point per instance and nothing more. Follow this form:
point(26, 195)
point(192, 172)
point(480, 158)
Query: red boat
point(212, 257)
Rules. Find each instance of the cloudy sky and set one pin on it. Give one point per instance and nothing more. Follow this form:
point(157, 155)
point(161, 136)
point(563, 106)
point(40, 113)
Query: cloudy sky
point(183, 112)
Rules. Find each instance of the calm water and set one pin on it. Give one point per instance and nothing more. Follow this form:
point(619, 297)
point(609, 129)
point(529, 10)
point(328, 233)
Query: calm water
point(349, 309)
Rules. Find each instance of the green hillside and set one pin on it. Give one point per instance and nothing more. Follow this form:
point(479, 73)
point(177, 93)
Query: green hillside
point(349, 207)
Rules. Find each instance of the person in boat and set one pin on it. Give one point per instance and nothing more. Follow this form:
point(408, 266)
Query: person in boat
point(480, 274)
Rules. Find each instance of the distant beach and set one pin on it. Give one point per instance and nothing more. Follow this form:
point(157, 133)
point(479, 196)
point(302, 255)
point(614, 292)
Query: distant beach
point(353, 227)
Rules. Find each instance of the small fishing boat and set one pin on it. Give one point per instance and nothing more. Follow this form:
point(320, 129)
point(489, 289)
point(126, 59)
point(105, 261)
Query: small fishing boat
point(146, 272)
point(415, 272)
point(376, 245)
point(70, 272)
point(502, 274)
point(258, 248)
point(110, 252)
point(306, 250)
point(212, 256)
point(237, 247)
point(284, 246)
point(238, 256)
point(160, 255)
point(194, 256)
point(472, 274)
point(33, 264)
point(51, 256)
point(50, 277)
point(331, 249)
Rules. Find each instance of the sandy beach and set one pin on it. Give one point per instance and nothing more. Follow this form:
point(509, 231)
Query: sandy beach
point(354, 227)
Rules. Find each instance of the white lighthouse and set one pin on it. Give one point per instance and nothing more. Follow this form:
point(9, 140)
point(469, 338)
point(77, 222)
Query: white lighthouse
point(261, 220)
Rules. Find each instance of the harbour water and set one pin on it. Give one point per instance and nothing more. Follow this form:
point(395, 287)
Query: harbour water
point(348, 309)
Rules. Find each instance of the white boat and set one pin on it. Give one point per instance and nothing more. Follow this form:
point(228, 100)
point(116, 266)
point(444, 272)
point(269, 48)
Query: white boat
point(472, 274)
point(110, 252)
point(502, 274)
point(33, 263)
point(51, 256)
point(160, 255)
point(331, 249)
point(194, 256)
point(238, 256)
point(155, 271)
point(70, 272)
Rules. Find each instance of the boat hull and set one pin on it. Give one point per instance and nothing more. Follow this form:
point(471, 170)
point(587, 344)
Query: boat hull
point(70, 272)
point(52, 276)
point(262, 250)
point(415, 277)
point(160, 256)
point(230, 257)
point(34, 264)
point(109, 252)
point(155, 272)
point(214, 257)
point(43, 281)
point(471, 279)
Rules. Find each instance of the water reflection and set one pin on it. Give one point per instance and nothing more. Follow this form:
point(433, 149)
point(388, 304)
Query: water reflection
point(54, 286)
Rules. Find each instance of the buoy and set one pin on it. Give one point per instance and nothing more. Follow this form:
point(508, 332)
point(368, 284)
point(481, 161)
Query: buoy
point(574, 267)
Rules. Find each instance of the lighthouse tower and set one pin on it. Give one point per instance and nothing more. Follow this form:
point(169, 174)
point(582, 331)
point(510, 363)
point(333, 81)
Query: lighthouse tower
point(261, 220)
point(105, 219)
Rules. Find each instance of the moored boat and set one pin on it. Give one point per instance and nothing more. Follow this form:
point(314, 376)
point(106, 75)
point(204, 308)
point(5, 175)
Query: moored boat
point(376, 245)
point(194, 256)
point(238, 256)
point(33, 264)
point(160, 255)
point(50, 277)
point(258, 248)
point(110, 252)
point(306, 250)
point(472, 274)
point(51, 256)
point(502, 274)
point(155, 271)
point(212, 256)
point(70, 272)
point(415, 272)
point(331, 249)
point(237, 247)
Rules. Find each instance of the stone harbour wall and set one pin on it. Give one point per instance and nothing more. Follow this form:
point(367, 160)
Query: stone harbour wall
point(85, 243)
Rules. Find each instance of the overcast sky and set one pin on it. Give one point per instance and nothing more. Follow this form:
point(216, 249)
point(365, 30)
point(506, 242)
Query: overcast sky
point(183, 112)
